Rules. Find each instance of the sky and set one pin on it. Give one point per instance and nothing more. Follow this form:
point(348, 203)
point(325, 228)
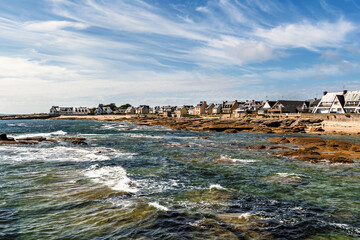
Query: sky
point(157, 52)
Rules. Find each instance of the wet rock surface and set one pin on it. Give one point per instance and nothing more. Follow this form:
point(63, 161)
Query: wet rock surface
point(246, 124)
point(5, 140)
point(314, 149)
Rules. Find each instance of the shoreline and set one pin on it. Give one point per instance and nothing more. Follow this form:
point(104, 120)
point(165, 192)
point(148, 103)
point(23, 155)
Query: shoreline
point(316, 124)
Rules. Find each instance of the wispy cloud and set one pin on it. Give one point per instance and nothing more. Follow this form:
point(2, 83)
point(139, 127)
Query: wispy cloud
point(307, 35)
point(135, 50)
point(49, 26)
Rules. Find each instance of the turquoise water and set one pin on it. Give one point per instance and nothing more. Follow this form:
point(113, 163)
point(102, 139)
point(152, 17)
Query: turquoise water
point(149, 182)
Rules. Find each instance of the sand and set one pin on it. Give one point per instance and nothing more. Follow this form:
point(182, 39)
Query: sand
point(347, 127)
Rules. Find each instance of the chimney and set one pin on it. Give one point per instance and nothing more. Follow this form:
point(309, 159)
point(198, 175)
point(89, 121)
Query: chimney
point(325, 93)
point(344, 92)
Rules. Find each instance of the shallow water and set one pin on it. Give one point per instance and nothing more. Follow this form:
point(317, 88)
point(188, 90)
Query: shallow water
point(149, 182)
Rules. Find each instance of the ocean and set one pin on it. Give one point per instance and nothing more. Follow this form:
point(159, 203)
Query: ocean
point(150, 182)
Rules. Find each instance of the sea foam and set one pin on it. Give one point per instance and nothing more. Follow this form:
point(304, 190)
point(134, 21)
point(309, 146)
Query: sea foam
point(57, 133)
point(113, 177)
point(60, 153)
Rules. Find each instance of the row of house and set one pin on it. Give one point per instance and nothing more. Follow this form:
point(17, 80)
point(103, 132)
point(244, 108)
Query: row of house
point(331, 102)
point(56, 110)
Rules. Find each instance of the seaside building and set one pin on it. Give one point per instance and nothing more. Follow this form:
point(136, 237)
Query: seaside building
point(248, 105)
point(191, 110)
point(81, 110)
point(209, 109)
point(287, 106)
point(103, 110)
point(267, 106)
point(120, 111)
point(69, 110)
point(182, 111)
point(200, 108)
point(155, 110)
point(143, 109)
point(130, 110)
point(339, 102)
point(217, 109)
point(229, 107)
point(168, 111)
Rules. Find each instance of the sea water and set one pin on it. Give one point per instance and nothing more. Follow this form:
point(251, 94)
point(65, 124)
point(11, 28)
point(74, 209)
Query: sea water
point(150, 182)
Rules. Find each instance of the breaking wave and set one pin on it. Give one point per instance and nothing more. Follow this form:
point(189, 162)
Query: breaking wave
point(113, 177)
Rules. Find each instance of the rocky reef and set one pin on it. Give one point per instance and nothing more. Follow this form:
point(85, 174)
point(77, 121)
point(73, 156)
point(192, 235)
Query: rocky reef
point(5, 140)
point(312, 149)
point(247, 124)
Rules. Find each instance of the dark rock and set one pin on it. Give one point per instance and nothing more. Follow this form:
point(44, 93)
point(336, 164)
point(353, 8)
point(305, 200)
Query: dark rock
point(3, 137)
point(278, 140)
point(39, 139)
point(79, 142)
point(256, 147)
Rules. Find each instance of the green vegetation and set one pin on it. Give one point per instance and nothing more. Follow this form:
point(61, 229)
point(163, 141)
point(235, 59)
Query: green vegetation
point(124, 106)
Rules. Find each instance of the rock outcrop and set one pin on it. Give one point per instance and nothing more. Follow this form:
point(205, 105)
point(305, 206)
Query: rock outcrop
point(314, 149)
point(247, 124)
point(5, 140)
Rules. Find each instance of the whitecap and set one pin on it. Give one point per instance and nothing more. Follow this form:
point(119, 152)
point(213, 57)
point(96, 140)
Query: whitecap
point(224, 158)
point(113, 177)
point(158, 206)
point(17, 124)
point(286, 175)
point(57, 133)
point(216, 186)
point(245, 215)
point(60, 153)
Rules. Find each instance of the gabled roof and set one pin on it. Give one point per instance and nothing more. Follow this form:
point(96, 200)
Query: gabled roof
point(329, 97)
point(314, 103)
point(289, 105)
point(352, 96)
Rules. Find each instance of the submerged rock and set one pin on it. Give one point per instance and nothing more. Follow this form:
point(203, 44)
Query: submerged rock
point(250, 226)
point(39, 139)
point(258, 147)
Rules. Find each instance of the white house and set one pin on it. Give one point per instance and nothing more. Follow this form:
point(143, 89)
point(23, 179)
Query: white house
point(143, 109)
point(130, 110)
point(103, 110)
point(81, 110)
point(69, 110)
point(339, 102)
point(217, 109)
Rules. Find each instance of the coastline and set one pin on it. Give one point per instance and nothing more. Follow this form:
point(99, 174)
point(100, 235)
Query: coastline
point(315, 124)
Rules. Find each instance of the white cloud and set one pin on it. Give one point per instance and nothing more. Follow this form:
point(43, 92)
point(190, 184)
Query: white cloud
point(20, 67)
point(48, 26)
point(230, 50)
point(137, 17)
point(307, 35)
point(43, 85)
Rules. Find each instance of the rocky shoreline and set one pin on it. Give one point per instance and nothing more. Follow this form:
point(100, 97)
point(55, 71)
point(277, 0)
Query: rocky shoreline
point(28, 116)
point(5, 140)
point(312, 149)
point(247, 124)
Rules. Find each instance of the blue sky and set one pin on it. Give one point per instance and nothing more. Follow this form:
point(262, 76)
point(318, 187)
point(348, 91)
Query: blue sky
point(85, 52)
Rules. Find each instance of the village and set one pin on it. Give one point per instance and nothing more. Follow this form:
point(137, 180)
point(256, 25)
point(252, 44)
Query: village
point(344, 102)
